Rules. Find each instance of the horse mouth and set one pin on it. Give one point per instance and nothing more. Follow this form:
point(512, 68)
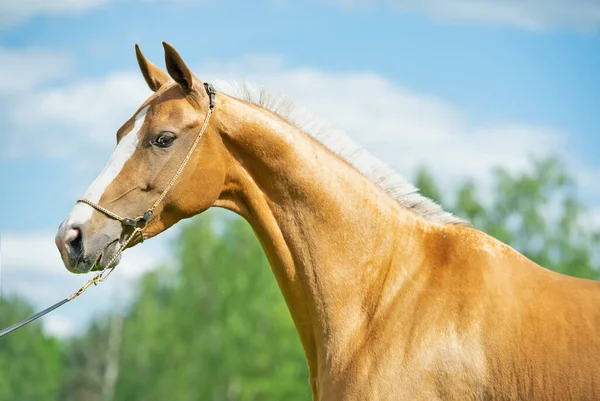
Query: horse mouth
point(97, 266)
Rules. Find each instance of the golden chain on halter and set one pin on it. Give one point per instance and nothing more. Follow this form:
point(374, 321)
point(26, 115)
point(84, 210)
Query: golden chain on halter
point(140, 223)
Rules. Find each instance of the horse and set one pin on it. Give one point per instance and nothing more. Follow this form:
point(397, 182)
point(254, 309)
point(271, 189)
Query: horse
point(393, 298)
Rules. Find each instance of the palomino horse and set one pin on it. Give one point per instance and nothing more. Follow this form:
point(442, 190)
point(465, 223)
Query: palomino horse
point(393, 298)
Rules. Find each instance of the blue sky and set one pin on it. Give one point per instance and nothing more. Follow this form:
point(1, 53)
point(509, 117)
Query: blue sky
point(460, 88)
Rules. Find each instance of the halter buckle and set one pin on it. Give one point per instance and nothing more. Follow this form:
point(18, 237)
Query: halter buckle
point(129, 222)
point(139, 222)
point(210, 90)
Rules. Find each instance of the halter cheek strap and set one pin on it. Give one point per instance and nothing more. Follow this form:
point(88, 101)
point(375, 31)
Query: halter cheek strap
point(139, 223)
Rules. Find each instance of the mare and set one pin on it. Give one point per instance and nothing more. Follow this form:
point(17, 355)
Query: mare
point(392, 297)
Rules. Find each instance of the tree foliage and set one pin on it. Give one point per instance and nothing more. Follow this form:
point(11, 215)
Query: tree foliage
point(93, 362)
point(31, 363)
point(537, 211)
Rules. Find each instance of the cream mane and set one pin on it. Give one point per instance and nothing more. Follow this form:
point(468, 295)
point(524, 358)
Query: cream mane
point(341, 144)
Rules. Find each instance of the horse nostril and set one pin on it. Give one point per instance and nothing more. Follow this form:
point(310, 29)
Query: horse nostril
point(74, 242)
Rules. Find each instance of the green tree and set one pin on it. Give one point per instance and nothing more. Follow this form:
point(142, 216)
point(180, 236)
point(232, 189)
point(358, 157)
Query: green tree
point(425, 181)
point(214, 327)
point(31, 363)
point(93, 362)
point(536, 211)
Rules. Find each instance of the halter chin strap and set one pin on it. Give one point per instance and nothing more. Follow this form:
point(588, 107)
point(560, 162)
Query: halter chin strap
point(139, 224)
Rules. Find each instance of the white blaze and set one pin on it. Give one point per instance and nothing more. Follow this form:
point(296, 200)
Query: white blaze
point(127, 145)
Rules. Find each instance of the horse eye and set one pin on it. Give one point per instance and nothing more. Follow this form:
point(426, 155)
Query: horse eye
point(164, 140)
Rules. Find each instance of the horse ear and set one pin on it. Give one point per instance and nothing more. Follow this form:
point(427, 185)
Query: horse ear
point(177, 68)
point(154, 76)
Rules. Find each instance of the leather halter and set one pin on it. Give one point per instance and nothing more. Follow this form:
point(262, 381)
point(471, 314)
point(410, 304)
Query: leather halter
point(139, 223)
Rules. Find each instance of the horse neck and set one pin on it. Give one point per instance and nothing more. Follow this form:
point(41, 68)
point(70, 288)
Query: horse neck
point(329, 233)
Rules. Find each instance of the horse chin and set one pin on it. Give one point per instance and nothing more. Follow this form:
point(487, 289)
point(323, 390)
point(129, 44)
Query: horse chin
point(106, 257)
point(97, 266)
point(77, 269)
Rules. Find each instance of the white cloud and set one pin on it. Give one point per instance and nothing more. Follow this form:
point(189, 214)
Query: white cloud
point(14, 12)
point(528, 14)
point(22, 70)
point(591, 219)
point(22, 73)
point(60, 326)
point(87, 113)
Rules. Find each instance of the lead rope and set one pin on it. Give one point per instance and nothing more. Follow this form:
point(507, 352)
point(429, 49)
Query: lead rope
point(139, 224)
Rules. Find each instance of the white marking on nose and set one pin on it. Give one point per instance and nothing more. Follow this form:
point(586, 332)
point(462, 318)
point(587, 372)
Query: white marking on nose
point(127, 145)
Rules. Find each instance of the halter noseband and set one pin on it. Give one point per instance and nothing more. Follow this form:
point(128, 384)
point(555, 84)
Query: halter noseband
point(139, 224)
